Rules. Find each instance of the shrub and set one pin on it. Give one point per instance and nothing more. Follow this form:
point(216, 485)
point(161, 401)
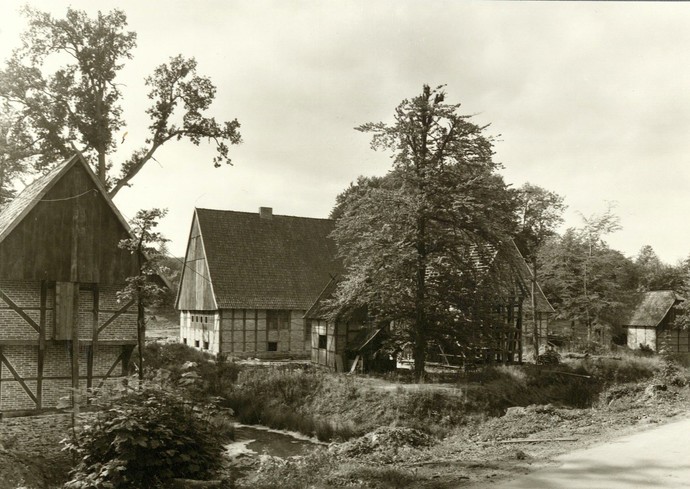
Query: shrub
point(147, 438)
point(549, 357)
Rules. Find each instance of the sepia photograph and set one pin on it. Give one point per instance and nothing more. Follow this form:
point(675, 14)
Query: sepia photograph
point(371, 244)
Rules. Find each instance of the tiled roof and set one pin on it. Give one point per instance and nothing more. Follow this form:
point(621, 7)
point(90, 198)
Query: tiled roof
point(652, 308)
point(282, 262)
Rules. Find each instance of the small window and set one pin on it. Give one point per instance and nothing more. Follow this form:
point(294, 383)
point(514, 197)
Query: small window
point(184, 340)
point(272, 346)
point(322, 341)
point(205, 345)
point(196, 343)
point(277, 319)
point(206, 319)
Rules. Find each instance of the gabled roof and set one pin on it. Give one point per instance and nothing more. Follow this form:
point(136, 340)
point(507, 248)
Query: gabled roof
point(652, 308)
point(281, 262)
point(481, 261)
point(526, 273)
point(23, 203)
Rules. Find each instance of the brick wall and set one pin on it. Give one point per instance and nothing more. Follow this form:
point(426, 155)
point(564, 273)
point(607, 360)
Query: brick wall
point(57, 360)
point(57, 364)
point(244, 334)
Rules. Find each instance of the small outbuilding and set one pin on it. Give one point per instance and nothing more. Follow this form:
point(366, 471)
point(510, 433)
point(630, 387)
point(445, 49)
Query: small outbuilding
point(61, 324)
point(651, 323)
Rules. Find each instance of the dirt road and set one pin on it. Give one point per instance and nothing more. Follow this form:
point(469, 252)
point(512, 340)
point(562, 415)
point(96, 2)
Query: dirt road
point(658, 458)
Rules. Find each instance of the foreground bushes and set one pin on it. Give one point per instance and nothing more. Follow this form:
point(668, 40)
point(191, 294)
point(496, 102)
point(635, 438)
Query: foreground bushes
point(145, 439)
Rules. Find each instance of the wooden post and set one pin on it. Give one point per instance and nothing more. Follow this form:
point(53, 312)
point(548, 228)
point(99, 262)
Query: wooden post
point(75, 347)
point(41, 345)
point(94, 337)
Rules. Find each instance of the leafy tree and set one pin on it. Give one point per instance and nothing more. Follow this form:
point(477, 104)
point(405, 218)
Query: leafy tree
point(656, 275)
point(145, 289)
point(539, 212)
point(408, 240)
point(60, 88)
point(584, 278)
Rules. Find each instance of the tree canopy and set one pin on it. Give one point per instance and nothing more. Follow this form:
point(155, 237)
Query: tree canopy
point(407, 239)
point(59, 91)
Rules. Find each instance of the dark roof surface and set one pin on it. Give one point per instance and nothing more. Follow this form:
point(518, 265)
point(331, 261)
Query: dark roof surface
point(652, 308)
point(279, 263)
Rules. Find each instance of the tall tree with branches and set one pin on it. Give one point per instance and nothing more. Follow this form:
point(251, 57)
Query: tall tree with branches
point(60, 88)
point(405, 238)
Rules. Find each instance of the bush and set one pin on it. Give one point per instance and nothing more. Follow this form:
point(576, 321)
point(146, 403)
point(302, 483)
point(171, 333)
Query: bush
point(147, 438)
point(549, 357)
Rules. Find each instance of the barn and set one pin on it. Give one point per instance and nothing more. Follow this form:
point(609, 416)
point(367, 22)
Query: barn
point(61, 325)
point(651, 323)
point(248, 280)
point(352, 341)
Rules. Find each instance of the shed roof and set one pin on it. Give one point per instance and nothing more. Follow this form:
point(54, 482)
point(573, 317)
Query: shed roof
point(280, 262)
point(652, 307)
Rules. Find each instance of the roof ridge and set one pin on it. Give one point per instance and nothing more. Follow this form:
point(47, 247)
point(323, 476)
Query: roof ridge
point(228, 211)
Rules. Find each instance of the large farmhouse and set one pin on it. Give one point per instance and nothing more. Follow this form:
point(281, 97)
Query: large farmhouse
point(61, 325)
point(249, 278)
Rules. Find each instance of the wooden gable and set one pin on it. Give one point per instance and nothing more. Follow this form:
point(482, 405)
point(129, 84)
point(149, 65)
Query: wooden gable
point(68, 230)
point(196, 290)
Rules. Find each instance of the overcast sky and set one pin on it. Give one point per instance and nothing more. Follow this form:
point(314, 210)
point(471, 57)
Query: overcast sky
point(591, 100)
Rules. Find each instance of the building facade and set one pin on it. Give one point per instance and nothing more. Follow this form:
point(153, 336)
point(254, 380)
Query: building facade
point(248, 280)
point(61, 325)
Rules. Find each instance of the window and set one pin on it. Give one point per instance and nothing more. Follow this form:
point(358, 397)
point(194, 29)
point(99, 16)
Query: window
point(205, 345)
point(272, 346)
point(196, 343)
point(322, 341)
point(307, 330)
point(206, 319)
point(184, 340)
point(277, 319)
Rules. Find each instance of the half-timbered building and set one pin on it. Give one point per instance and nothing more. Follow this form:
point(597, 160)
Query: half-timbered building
point(650, 323)
point(61, 324)
point(349, 340)
point(248, 280)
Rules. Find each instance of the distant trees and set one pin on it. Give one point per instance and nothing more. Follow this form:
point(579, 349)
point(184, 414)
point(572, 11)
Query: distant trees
point(60, 88)
point(405, 239)
point(585, 279)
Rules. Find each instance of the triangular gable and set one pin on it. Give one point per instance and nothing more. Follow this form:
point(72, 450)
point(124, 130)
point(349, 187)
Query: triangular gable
point(64, 227)
point(21, 205)
point(196, 288)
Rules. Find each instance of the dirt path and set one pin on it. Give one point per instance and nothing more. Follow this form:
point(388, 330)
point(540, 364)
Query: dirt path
point(659, 458)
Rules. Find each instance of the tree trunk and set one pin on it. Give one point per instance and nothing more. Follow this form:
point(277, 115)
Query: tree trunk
point(420, 333)
point(141, 336)
point(535, 323)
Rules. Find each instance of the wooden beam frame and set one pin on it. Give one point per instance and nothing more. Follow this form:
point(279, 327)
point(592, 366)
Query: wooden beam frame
point(17, 378)
point(20, 312)
point(117, 314)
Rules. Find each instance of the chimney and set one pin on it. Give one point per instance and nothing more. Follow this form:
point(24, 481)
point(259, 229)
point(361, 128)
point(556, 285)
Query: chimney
point(266, 213)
